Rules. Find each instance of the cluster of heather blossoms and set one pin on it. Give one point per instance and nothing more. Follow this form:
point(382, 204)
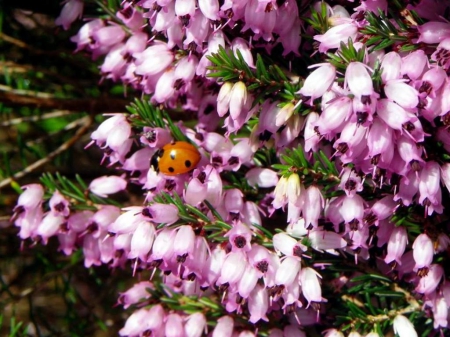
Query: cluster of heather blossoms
point(360, 143)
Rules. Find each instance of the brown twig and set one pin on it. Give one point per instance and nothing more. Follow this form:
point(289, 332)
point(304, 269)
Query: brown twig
point(87, 122)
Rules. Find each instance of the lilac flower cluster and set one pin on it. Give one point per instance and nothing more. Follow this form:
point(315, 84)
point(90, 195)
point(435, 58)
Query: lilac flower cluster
point(382, 120)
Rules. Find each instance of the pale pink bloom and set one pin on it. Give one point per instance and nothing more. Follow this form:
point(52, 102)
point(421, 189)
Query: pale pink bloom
point(435, 77)
point(84, 36)
point(132, 18)
point(294, 190)
point(440, 313)
point(318, 82)
point(127, 222)
point(262, 177)
point(233, 201)
point(240, 237)
point(238, 99)
point(115, 64)
point(198, 31)
point(409, 186)
point(31, 197)
point(335, 115)
point(311, 289)
point(72, 10)
point(396, 245)
point(352, 209)
point(185, 69)
point(163, 245)
point(224, 97)
point(91, 251)
point(260, 21)
point(280, 193)
point(78, 221)
point(233, 268)
point(284, 114)
point(350, 181)
point(108, 36)
point(165, 86)
point(292, 39)
point(384, 208)
point(248, 281)
point(164, 18)
point(243, 47)
point(258, 304)
point(195, 192)
point(224, 327)
point(429, 187)
point(154, 59)
point(433, 32)
point(428, 283)
point(324, 240)
point(423, 251)
point(445, 175)
point(184, 7)
point(414, 64)
point(195, 325)
point(106, 185)
point(380, 139)
point(184, 242)
point(401, 93)
point(210, 9)
point(393, 114)
point(142, 240)
point(174, 323)
point(313, 206)
point(358, 80)
point(391, 65)
point(136, 293)
point(335, 35)
point(49, 226)
point(135, 324)
point(312, 139)
point(410, 152)
point(67, 241)
point(288, 270)
point(351, 142)
point(162, 213)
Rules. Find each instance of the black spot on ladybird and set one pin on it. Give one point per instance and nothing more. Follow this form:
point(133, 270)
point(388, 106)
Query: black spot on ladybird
point(187, 163)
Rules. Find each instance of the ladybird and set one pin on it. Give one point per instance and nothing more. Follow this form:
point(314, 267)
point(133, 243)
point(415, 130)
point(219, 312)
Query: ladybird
point(175, 158)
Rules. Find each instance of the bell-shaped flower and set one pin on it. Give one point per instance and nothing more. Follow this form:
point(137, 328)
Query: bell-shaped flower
point(393, 114)
point(318, 82)
point(233, 268)
point(108, 36)
point(402, 94)
point(287, 272)
point(324, 240)
point(142, 240)
point(238, 99)
point(414, 64)
point(31, 197)
point(224, 327)
point(161, 213)
point(335, 35)
point(233, 201)
point(396, 245)
point(380, 140)
point(428, 283)
point(313, 206)
point(174, 322)
point(106, 185)
point(429, 187)
point(164, 245)
point(312, 138)
point(240, 237)
point(358, 80)
point(311, 288)
point(261, 177)
point(184, 7)
point(49, 226)
point(433, 32)
point(195, 325)
point(91, 251)
point(352, 209)
point(184, 242)
point(79, 221)
point(248, 281)
point(258, 304)
point(335, 115)
point(350, 182)
point(165, 86)
point(155, 59)
point(241, 45)
point(423, 251)
point(71, 11)
point(135, 324)
point(409, 186)
point(391, 65)
point(136, 293)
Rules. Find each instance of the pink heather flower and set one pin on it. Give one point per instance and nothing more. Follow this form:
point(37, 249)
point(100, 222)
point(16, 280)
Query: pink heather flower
point(240, 237)
point(184, 242)
point(391, 65)
point(84, 37)
point(403, 327)
point(350, 181)
point(393, 114)
point(358, 80)
point(238, 99)
point(195, 192)
point(79, 221)
point(163, 245)
point(165, 86)
point(142, 240)
point(335, 115)
point(195, 325)
point(428, 283)
point(445, 175)
point(91, 251)
point(414, 64)
point(311, 289)
point(135, 323)
point(324, 240)
point(210, 9)
point(262, 177)
point(440, 313)
point(154, 59)
point(318, 82)
point(108, 36)
point(423, 251)
point(243, 47)
point(71, 11)
point(379, 141)
point(31, 198)
point(441, 55)
point(435, 77)
point(287, 245)
point(260, 21)
point(132, 18)
point(258, 304)
point(233, 268)
point(430, 189)
point(403, 94)
point(313, 206)
point(174, 323)
point(352, 209)
point(312, 139)
point(335, 35)
point(288, 270)
point(139, 291)
point(396, 245)
point(127, 222)
point(433, 32)
point(333, 333)
point(224, 327)
point(162, 213)
point(248, 281)
point(49, 226)
point(106, 185)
